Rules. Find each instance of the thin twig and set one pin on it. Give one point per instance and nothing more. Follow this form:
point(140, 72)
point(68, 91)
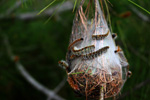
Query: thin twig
point(138, 54)
point(33, 15)
point(28, 77)
point(62, 83)
point(15, 6)
point(140, 14)
point(36, 84)
point(138, 86)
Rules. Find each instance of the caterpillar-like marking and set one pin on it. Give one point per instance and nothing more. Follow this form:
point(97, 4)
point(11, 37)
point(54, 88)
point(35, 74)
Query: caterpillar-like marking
point(85, 50)
point(123, 60)
point(82, 51)
point(73, 56)
point(96, 53)
point(114, 35)
point(64, 65)
point(129, 74)
point(100, 37)
point(118, 49)
point(77, 40)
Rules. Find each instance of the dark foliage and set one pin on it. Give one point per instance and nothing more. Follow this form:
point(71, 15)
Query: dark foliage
point(40, 46)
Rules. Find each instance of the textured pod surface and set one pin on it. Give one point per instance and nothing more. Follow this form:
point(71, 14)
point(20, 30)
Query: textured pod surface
point(94, 60)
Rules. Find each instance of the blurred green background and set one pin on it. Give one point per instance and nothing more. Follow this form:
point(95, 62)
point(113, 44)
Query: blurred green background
point(40, 46)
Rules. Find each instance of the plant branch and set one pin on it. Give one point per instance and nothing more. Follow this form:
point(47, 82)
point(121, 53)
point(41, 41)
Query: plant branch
point(15, 6)
point(140, 15)
point(28, 77)
point(138, 86)
point(33, 15)
point(138, 54)
point(62, 83)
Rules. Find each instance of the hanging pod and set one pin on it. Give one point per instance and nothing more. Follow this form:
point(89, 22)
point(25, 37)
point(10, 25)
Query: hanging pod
point(95, 66)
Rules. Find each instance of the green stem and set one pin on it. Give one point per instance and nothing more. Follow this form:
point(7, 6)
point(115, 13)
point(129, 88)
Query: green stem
point(139, 6)
point(108, 15)
point(75, 5)
point(54, 12)
point(46, 7)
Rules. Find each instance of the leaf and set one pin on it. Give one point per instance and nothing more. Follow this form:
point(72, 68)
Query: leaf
point(139, 6)
point(54, 12)
point(75, 5)
point(46, 7)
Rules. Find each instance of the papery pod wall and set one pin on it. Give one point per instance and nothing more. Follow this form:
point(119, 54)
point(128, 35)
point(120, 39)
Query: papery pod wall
point(96, 67)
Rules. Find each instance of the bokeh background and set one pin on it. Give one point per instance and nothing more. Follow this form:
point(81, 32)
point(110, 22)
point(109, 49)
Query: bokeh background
point(39, 46)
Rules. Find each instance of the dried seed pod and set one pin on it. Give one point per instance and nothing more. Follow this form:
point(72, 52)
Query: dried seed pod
point(94, 73)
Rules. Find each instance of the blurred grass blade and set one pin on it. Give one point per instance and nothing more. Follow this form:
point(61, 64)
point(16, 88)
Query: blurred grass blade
point(139, 6)
point(23, 3)
point(122, 37)
point(74, 5)
point(108, 16)
point(30, 1)
point(46, 7)
point(54, 12)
